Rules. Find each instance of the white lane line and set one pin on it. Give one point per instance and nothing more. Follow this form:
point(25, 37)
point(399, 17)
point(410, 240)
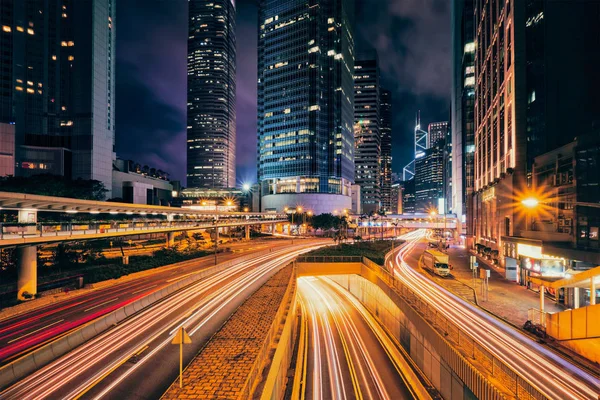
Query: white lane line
point(141, 290)
point(101, 304)
point(37, 330)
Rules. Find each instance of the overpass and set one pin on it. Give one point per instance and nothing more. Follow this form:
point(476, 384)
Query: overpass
point(140, 219)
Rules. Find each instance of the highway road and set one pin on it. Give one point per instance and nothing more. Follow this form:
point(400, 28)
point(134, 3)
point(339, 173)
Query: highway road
point(349, 356)
point(554, 376)
point(27, 331)
point(135, 359)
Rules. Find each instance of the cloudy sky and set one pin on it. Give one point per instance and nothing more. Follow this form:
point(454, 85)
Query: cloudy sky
point(412, 38)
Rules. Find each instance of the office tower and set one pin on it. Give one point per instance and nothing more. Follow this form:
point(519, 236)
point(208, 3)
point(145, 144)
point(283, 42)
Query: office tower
point(429, 180)
point(385, 112)
point(57, 86)
point(211, 113)
point(536, 89)
point(408, 196)
point(437, 131)
point(421, 144)
point(462, 117)
point(367, 133)
point(448, 201)
point(305, 104)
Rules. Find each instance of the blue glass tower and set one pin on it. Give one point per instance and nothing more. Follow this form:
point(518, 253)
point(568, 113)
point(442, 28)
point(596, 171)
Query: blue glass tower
point(305, 104)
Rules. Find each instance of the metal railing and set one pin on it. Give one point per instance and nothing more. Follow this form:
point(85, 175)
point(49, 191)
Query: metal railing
point(329, 259)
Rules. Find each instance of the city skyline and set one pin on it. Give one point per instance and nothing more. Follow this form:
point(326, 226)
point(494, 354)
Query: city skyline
point(151, 71)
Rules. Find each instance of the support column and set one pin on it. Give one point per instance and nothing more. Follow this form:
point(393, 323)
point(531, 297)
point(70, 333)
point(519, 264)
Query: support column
point(27, 272)
point(592, 291)
point(247, 232)
point(575, 297)
point(170, 239)
point(542, 315)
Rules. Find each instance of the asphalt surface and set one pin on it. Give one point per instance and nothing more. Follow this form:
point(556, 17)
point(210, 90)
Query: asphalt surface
point(554, 376)
point(346, 358)
point(22, 333)
point(135, 359)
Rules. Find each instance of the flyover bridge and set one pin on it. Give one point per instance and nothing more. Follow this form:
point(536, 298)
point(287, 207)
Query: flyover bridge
point(104, 220)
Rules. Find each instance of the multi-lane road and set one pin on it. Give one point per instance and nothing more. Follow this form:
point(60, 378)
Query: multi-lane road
point(554, 376)
point(348, 355)
point(135, 359)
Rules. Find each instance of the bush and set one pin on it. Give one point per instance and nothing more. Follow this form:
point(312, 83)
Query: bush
point(375, 251)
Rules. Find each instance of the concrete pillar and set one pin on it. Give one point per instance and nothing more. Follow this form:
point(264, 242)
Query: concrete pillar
point(592, 291)
point(27, 272)
point(247, 232)
point(542, 316)
point(575, 297)
point(170, 239)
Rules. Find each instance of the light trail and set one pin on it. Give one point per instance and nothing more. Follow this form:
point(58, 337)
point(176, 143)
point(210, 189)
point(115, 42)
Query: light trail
point(89, 363)
point(552, 375)
point(334, 318)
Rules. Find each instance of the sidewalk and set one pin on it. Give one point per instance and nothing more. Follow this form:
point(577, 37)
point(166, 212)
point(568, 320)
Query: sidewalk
point(506, 299)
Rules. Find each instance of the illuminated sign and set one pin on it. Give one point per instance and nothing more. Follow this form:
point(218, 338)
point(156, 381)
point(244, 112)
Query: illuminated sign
point(528, 250)
point(489, 194)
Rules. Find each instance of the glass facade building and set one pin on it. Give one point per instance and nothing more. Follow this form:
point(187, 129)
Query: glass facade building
point(57, 85)
point(305, 103)
point(429, 180)
point(367, 133)
point(211, 94)
point(463, 122)
point(385, 112)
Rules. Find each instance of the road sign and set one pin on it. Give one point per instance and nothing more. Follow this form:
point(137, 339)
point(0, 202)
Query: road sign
point(475, 264)
point(180, 338)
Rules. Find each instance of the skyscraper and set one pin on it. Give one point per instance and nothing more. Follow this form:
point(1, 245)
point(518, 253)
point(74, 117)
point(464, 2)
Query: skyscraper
point(57, 86)
point(463, 123)
point(367, 133)
point(305, 104)
point(535, 89)
point(429, 180)
point(385, 112)
point(438, 131)
point(421, 144)
point(211, 113)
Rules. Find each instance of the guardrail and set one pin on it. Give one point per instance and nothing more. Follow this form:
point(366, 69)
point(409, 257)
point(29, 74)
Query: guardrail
point(24, 366)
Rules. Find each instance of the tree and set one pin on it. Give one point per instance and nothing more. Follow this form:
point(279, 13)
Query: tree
point(326, 221)
point(57, 186)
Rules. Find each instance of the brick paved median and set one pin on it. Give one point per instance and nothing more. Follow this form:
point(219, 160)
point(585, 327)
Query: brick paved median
point(222, 368)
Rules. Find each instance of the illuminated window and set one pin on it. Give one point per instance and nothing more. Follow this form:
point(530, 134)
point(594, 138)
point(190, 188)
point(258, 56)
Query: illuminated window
point(71, 58)
point(64, 15)
point(30, 90)
point(54, 57)
point(30, 83)
point(313, 49)
point(287, 111)
point(63, 44)
point(70, 43)
point(314, 108)
point(19, 88)
point(30, 31)
point(20, 29)
point(6, 28)
point(469, 47)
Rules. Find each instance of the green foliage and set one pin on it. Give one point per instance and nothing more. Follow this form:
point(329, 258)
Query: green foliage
point(52, 185)
point(326, 221)
point(375, 251)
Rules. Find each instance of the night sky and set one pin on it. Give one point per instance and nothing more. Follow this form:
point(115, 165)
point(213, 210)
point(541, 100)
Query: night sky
point(412, 38)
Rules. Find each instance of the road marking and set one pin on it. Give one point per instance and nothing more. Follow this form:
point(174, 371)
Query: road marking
point(102, 377)
point(141, 290)
point(37, 330)
point(101, 304)
point(141, 351)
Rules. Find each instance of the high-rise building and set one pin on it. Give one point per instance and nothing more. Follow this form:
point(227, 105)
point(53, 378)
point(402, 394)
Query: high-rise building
point(437, 131)
point(408, 196)
point(535, 90)
point(305, 104)
point(385, 112)
point(211, 113)
point(367, 133)
point(448, 201)
point(421, 144)
point(429, 180)
point(462, 117)
point(57, 86)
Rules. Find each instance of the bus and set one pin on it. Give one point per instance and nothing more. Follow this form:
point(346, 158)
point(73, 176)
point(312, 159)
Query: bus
point(436, 262)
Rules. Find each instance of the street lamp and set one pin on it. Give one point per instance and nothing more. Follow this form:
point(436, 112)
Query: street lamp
point(246, 187)
point(530, 202)
point(246, 209)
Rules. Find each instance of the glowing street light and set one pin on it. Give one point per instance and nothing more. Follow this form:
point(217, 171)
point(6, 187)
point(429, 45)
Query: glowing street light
point(246, 187)
point(246, 209)
point(530, 202)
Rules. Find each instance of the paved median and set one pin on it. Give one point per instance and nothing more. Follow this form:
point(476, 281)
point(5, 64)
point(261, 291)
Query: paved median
point(232, 363)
